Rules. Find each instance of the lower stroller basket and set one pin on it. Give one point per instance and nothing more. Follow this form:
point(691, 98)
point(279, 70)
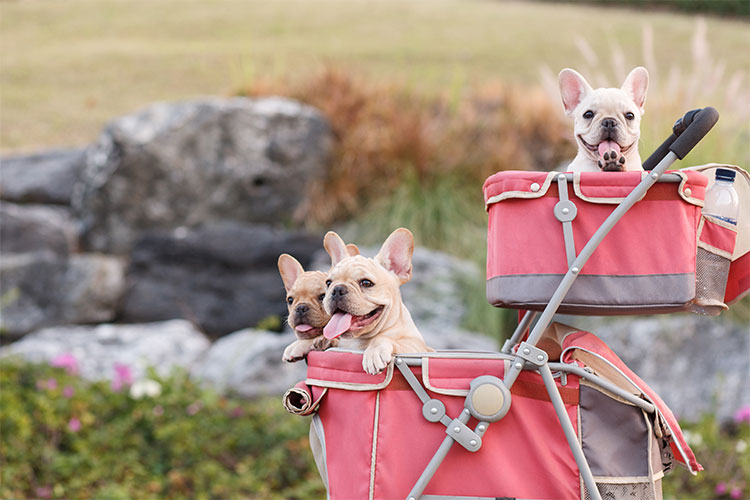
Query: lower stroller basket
point(373, 436)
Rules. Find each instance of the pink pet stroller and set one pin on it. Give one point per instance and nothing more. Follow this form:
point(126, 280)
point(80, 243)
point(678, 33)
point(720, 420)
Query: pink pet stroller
point(556, 414)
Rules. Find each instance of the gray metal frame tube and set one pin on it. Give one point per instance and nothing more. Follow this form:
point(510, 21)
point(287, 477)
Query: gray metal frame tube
point(518, 332)
point(604, 384)
point(562, 290)
point(570, 433)
point(435, 462)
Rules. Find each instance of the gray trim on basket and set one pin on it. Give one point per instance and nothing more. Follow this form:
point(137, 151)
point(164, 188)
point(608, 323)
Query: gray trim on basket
point(595, 294)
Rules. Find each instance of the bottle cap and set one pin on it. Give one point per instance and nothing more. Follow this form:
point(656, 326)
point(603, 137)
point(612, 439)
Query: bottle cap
point(724, 174)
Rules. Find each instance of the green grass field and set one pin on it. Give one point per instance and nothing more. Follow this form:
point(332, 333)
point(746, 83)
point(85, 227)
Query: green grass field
point(69, 67)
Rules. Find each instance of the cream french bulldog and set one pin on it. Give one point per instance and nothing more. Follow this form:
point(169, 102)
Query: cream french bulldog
point(305, 291)
point(607, 121)
point(364, 300)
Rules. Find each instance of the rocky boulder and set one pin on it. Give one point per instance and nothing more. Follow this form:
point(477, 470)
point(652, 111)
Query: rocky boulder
point(44, 177)
point(99, 349)
point(200, 161)
point(42, 282)
point(221, 276)
point(248, 362)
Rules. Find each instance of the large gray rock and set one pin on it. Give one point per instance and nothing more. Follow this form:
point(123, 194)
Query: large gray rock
point(36, 228)
point(92, 287)
point(42, 281)
point(44, 177)
point(248, 362)
point(194, 162)
point(41, 289)
point(697, 365)
point(222, 276)
point(162, 346)
point(30, 285)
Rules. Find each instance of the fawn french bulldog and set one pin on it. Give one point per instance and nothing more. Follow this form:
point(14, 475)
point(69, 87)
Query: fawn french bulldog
point(305, 291)
point(364, 300)
point(607, 121)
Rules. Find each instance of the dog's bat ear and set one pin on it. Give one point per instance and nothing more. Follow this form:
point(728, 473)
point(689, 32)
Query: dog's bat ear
point(636, 86)
point(395, 254)
point(335, 247)
point(352, 249)
point(573, 88)
point(290, 269)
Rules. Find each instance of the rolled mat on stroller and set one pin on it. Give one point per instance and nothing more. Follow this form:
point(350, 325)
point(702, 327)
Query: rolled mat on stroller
point(372, 440)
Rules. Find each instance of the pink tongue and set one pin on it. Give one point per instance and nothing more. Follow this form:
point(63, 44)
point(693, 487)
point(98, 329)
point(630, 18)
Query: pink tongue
point(303, 328)
point(339, 323)
point(607, 146)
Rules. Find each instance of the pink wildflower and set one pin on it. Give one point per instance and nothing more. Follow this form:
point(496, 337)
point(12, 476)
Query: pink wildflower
point(51, 384)
point(67, 361)
point(44, 492)
point(721, 488)
point(236, 412)
point(194, 408)
point(742, 415)
point(68, 391)
point(123, 376)
point(735, 493)
point(74, 425)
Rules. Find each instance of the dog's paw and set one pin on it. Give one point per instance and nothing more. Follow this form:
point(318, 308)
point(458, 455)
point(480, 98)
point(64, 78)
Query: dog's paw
point(321, 343)
point(296, 351)
point(612, 161)
point(376, 358)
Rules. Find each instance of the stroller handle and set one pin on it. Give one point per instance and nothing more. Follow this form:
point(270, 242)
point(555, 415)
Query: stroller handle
point(686, 133)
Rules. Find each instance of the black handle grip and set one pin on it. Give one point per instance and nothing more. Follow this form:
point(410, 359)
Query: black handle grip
point(700, 122)
point(697, 123)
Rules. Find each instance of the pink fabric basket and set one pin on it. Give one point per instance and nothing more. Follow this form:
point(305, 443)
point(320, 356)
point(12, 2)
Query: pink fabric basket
point(646, 264)
point(374, 442)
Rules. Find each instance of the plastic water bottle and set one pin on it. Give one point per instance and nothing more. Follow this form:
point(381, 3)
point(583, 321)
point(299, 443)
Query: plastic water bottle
point(721, 203)
point(721, 200)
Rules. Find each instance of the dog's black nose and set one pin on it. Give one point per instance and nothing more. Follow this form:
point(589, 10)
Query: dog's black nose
point(302, 309)
point(339, 291)
point(609, 123)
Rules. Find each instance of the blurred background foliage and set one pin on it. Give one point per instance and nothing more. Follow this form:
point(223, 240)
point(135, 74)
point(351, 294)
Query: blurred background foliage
point(426, 99)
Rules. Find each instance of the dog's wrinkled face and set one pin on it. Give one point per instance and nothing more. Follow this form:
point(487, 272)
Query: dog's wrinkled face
point(361, 292)
point(607, 121)
point(304, 297)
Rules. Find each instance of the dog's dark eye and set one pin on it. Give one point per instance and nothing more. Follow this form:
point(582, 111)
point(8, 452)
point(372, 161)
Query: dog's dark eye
point(629, 115)
point(366, 283)
point(328, 283)
point(289, 300)
point(588, 114)
point(321, 297)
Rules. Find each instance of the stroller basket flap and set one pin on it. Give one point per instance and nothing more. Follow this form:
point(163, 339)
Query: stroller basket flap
point(369, 423)
point(645, 264)
point(591, 351)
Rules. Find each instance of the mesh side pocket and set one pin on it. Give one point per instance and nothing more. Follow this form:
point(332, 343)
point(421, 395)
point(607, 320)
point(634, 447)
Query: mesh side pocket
point(710, 283)
point(630, 491)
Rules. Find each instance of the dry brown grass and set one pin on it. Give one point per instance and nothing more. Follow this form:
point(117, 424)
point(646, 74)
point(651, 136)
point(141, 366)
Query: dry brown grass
point(385, 134)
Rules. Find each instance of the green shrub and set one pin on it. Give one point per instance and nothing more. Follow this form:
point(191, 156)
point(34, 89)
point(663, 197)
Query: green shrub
point(724, 452)
point(63, 437)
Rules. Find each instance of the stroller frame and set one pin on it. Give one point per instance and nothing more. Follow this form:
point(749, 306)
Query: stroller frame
point(489, 397)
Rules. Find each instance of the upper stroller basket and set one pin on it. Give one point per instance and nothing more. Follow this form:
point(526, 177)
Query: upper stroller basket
point(539, 222)
point(637, 234)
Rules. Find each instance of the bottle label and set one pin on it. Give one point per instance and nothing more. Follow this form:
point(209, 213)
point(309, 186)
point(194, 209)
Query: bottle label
point(725, 219)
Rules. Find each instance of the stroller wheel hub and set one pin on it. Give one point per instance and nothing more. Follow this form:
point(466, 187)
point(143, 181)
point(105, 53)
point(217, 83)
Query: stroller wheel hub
point(488, 399)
